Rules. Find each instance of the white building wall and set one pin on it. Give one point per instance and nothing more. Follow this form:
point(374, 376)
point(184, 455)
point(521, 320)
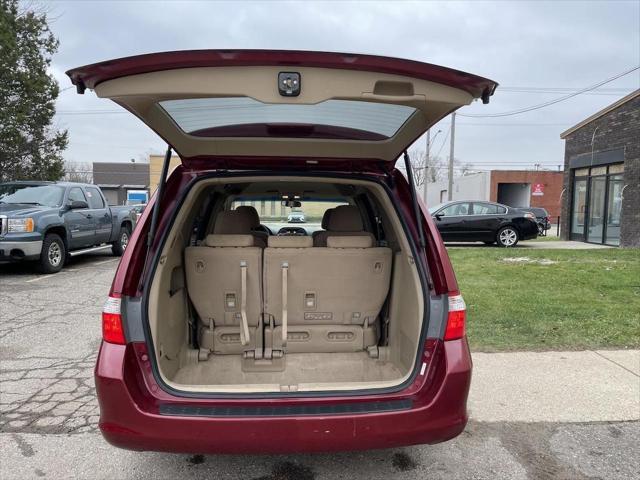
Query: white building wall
point(475, 186)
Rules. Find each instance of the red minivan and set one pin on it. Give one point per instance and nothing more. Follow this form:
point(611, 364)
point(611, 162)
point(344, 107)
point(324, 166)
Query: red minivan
point(228, 329)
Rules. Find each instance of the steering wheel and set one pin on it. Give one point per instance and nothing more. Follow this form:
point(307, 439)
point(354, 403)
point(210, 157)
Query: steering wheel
point(298, 231)
point(263, 228)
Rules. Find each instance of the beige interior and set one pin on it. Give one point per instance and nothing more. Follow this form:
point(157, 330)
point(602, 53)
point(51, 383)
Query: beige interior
point(305, 318)
point(141, 94)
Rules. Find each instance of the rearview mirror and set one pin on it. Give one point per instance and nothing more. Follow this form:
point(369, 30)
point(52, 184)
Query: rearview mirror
point(439, 216)
point(292, 203)
point(77, 204)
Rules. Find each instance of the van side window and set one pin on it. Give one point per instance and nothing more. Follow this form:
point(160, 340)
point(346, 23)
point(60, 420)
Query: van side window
point(95, 199)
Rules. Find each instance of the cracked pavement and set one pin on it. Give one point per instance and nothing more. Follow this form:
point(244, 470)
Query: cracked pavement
point(49, 336)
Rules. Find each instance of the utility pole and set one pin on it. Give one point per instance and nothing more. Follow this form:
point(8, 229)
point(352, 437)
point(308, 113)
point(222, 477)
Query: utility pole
point(426, 167)
point(451, 148)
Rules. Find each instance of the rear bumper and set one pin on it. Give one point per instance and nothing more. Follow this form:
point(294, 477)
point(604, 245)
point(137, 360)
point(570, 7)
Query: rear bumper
point(130, 405)
point(528, 230)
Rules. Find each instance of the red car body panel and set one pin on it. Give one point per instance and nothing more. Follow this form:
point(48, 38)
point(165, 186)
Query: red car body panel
point(89, 76)
point(130, 399)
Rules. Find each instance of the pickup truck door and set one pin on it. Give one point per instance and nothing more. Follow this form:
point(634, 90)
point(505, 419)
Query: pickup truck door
point(80, 222)
point(101, 214)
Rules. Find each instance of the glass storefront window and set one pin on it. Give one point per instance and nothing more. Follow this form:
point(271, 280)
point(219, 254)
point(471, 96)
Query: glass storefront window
point(596, 209)
point(617, 168)
point(598, 171)
point(614, 210)
point(579, 207)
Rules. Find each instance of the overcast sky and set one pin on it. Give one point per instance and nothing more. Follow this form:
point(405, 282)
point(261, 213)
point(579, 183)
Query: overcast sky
point(522, 45)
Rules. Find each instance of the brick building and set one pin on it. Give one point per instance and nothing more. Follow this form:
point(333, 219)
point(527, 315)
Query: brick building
point(528, 188)
point(601, 200)
point(516, 188)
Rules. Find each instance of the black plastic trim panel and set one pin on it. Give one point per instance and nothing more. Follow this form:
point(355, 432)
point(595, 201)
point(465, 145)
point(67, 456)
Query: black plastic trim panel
point(286, 410)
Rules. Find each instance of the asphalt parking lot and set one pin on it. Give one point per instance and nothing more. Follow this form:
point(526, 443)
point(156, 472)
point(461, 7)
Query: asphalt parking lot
point(49, 335)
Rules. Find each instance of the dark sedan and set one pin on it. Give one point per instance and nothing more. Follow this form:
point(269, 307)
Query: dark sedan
point(542, 218)
point(469, 221)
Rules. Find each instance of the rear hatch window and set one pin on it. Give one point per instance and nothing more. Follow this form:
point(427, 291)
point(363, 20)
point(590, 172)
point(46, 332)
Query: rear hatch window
point(283, 104)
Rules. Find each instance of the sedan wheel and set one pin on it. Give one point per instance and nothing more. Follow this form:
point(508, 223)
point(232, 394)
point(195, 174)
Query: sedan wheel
point(507, 237)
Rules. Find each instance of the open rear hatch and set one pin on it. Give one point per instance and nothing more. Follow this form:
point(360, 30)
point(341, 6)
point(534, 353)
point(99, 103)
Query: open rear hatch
point(266, 104)
point(325, 309)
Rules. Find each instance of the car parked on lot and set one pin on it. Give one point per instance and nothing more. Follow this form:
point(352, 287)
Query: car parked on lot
point(219, 336)
point(296, 217)
point(49, 221)
point(542, 218)
point(488, 222)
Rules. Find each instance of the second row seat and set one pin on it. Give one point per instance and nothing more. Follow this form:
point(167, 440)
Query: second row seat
point(329, 297)
point(324, 299)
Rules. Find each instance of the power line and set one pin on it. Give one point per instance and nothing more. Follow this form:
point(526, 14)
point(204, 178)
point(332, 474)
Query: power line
point(551, 102)
point(444, 142)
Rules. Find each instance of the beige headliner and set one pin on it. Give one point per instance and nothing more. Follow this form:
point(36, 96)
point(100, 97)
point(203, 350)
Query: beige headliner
point(141, 94)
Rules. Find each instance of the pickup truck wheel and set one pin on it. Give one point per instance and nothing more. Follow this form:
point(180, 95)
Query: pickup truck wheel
point(118, 247)
point(53, 254)
point(507, 237)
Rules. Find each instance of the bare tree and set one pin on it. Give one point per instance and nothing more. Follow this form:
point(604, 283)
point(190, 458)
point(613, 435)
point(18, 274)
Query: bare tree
point(437, 168)
point(81, 172)
point(433, 169)
point(462, 168)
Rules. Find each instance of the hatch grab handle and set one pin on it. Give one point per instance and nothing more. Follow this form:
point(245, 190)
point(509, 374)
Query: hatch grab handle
point(414, 198)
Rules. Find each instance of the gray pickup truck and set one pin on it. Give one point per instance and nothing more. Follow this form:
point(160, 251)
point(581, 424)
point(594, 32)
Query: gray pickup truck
point(51, 221)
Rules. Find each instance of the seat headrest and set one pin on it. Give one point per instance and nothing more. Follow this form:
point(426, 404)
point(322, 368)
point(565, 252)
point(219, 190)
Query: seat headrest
point(290, 241)
point(232, 222)
point(325, 218)
point(355, 241)
point(251, 213)
point(227, 240)
point(345, 218)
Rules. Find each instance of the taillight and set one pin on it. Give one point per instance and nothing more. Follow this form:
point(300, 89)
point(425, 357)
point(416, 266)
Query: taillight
point(112, 321)
point(456, 319)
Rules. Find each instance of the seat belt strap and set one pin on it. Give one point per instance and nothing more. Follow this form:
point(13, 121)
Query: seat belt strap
point(244, 327)
point(285, 270)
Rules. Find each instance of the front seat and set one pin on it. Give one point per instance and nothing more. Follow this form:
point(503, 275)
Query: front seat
point(324, 225)
point(254, 220)
point(343, 221)
point(236, 222)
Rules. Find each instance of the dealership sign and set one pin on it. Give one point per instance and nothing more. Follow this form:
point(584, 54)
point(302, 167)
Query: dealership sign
point(537, 190)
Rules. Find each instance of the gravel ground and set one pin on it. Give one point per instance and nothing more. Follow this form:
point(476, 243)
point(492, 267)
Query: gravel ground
point(49, 334)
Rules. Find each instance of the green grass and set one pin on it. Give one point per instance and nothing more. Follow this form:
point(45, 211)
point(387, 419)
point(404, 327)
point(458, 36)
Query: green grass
point(557, 300)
